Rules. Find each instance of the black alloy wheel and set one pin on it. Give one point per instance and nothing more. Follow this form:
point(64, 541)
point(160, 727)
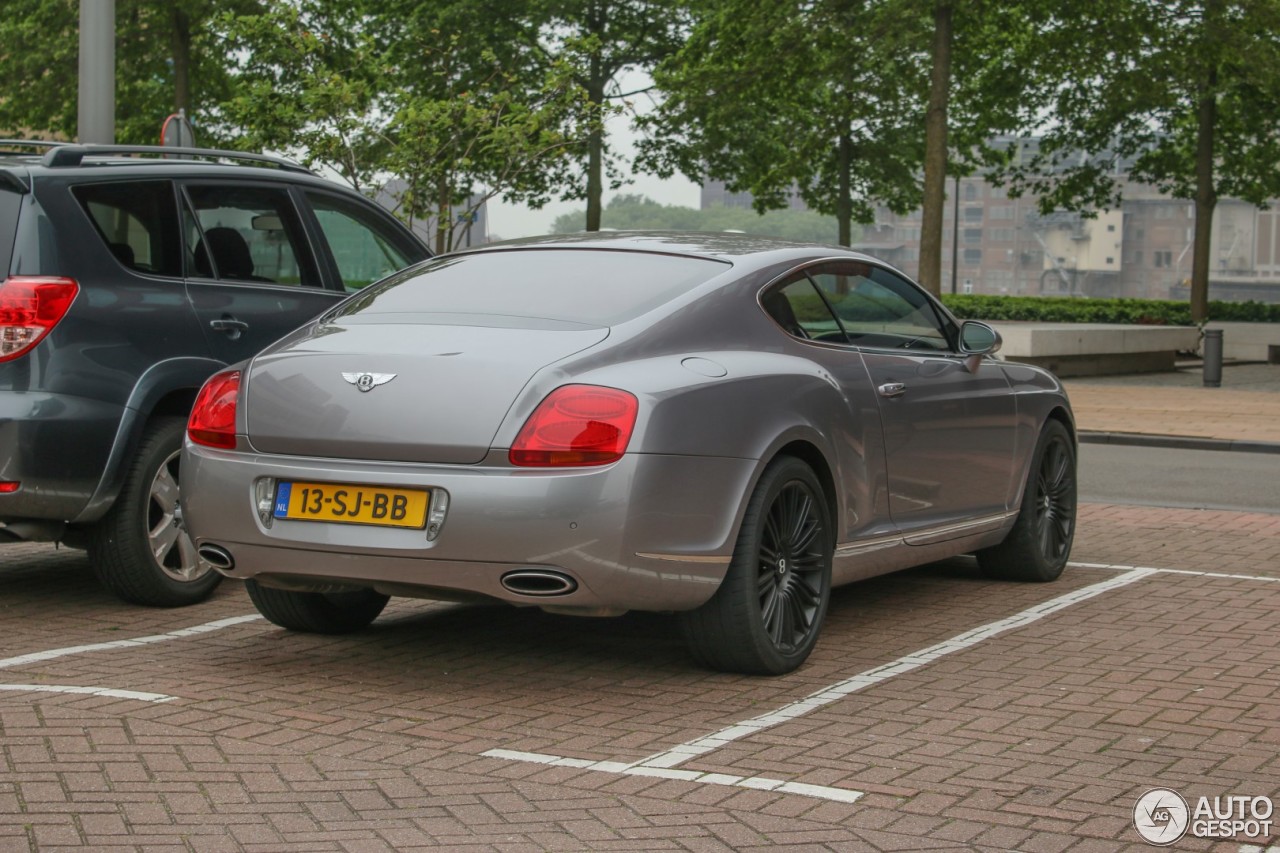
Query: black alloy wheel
point(766, 616)
point(1039, 543)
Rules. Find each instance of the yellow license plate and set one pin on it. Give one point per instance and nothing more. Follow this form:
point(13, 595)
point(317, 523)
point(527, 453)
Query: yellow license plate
point(344, 503)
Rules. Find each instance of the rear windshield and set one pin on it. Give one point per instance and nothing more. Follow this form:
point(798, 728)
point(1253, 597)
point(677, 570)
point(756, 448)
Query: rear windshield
point(10, 203)
point(589, 286)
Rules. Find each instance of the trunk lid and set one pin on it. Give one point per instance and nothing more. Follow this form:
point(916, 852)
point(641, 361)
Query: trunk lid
point(449, 389)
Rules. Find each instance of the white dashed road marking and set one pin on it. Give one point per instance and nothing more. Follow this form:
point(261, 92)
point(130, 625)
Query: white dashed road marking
point(38, 657)
point(88, 691)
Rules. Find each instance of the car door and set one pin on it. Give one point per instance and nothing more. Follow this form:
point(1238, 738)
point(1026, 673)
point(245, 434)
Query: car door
point(949, 430)
point(795, 304)
point(251, 272)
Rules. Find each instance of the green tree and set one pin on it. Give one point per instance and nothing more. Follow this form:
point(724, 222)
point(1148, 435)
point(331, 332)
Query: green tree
point(423, 92)
point(637, 212)
point(1184, 93)
point(613, 37)
point(818, 98)
point(168, 57)
point(852, 103)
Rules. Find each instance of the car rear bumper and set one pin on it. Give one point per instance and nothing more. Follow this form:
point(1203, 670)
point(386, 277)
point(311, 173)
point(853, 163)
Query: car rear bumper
point(649, 532)
point(56, 447)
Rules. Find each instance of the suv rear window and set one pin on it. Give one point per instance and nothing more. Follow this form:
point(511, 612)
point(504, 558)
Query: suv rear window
point(10, 204)
point(138, 222)
point(590, 286)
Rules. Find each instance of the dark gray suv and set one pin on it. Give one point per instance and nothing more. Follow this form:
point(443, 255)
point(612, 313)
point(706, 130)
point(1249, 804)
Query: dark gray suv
point(128, 275)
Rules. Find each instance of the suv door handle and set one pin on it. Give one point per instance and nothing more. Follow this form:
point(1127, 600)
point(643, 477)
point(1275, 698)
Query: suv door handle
point(892, 389)
point(233, 327)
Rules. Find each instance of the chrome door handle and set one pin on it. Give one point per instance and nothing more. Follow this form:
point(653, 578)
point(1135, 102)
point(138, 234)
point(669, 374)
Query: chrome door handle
point(892, 389)
point(233, 327)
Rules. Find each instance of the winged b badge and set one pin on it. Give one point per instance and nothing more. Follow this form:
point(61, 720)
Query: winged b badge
point(368, 381)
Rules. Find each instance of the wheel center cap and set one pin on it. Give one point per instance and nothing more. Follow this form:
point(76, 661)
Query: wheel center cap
point(782, 565)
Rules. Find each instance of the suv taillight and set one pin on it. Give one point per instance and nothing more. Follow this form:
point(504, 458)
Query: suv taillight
point(30, 306)
point(576, 425)
point(213, 418)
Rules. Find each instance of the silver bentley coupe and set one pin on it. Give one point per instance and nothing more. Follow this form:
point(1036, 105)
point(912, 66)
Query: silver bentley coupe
point(715, 425)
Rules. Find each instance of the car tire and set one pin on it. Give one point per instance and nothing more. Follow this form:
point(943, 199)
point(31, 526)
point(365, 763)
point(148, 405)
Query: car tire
point(138, 550)
point(766, 616)
point(317, 612)
point(1039, 544)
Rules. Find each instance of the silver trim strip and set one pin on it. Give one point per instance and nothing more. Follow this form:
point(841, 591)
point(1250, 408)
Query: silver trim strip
point(688, 558)
point(955, 531)
point(925, 536)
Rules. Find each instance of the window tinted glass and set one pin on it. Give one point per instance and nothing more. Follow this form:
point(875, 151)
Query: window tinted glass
point(800, 310)
point(594, 287)
point(136, 221)
point(10, 204)
point(880, 309)
point(364, 248)
point(247, 234)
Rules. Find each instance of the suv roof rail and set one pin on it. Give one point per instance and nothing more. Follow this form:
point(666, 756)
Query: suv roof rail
point(73, 155)
point(27, 143)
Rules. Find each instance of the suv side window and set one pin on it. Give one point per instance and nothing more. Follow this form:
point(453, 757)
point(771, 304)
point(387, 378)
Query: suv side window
point(364, 249)
point(800, 310)
point(135, 219)
point(879, 309)
point(246, 234)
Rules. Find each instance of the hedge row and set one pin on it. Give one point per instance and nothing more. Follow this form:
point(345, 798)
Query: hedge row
point(1150, 312)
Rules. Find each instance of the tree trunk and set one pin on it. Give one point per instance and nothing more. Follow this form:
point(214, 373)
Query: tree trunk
point(935, 151)
point(1206, 197)
point(595, 153)
point(180, 45)
point(444, 216)
point(844, 203)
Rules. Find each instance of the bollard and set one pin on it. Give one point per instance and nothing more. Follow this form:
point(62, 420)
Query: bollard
point(1212, 358)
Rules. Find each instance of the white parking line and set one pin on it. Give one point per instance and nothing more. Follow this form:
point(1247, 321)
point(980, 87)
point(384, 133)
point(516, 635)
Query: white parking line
point(88, 691)
point(662, 763)
point(37, 657)
point(1194, 573)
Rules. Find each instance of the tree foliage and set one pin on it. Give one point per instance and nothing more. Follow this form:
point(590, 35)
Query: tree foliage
point(821, 98)
point(638, 212)
point(439, 95)
point(1182, 94)
point(614, 37)
point(168, 56)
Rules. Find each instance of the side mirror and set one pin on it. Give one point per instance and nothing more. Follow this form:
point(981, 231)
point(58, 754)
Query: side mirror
point(977, 340)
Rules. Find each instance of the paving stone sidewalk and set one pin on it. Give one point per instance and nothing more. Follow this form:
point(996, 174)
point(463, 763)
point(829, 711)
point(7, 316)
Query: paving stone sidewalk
point(1245, 409)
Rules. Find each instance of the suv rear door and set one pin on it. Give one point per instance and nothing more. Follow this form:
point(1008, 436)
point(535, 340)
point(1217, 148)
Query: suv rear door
point(252, 274)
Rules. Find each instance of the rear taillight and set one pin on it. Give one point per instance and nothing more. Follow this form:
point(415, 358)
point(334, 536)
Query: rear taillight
point(213, 418)
point(8, 487)
point(30, 306)
point(576, 425)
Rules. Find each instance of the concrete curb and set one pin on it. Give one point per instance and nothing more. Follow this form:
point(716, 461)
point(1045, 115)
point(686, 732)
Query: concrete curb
point(1181, 442)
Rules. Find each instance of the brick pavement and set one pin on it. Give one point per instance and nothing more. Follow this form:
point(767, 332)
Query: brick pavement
point(1040, 738)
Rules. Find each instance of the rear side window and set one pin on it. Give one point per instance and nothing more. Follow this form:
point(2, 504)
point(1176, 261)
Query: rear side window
point(137, 221)
point(10, 204)
point(247, 234)
point(590, 286)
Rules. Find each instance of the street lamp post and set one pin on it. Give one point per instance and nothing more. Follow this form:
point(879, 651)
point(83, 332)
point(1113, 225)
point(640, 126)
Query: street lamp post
point(96, 104)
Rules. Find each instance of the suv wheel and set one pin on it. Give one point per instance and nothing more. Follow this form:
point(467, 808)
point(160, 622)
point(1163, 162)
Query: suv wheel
point(139, 550)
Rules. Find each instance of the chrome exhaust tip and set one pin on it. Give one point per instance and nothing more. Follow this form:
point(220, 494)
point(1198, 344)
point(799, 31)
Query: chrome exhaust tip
point(538, 582)
point(217, 556)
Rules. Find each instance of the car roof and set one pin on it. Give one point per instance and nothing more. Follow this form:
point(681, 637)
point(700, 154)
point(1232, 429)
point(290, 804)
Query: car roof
point(724, 246)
